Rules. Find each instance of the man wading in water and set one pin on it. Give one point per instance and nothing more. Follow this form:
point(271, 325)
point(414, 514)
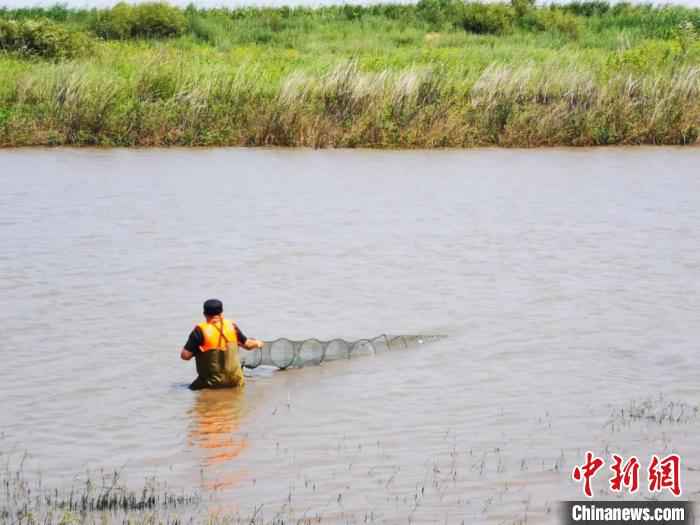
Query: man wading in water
point(214, 345)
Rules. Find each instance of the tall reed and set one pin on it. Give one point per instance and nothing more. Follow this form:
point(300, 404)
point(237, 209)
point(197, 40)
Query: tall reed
point(527, 105)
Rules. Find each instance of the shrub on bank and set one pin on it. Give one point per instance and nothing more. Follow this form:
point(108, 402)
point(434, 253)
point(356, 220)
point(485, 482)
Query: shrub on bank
point(587, 8)
point(158, 20)
point(554, 20)
point(648, 20)
point(42, 38)
point(57, 13)
point(487, 18)
point(686, 35)
point(522, 7)
point(147, 20)
point(437, 13)
point(643, 59)
point(116, 23)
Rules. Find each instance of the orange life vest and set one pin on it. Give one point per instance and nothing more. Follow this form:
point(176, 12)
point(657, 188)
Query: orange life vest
point(218, 335)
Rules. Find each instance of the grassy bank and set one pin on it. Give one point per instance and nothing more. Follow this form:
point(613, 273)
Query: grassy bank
point(435, 74)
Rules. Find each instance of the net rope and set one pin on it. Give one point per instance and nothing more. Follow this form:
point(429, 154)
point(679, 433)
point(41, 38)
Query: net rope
point(286, 353)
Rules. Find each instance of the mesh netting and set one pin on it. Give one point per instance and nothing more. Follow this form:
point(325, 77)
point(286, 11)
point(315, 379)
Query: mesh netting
point(285, 353)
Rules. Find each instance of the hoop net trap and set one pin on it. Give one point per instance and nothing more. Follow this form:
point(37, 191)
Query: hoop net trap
point(286, 353)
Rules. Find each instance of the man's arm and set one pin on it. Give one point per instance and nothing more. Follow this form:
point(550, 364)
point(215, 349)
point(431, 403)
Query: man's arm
point(192, 345)
point(247, 342)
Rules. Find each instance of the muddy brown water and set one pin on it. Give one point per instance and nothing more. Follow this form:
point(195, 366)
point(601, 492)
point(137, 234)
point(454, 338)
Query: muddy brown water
point(567, 281)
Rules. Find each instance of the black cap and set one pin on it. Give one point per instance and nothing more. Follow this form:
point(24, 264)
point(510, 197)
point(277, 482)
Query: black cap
point(213, 307)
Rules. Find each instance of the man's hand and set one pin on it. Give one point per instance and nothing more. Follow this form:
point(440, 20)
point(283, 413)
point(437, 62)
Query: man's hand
point(186, 355)
point(252, 344)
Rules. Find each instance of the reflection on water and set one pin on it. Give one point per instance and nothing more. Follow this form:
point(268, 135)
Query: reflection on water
point(216, 432)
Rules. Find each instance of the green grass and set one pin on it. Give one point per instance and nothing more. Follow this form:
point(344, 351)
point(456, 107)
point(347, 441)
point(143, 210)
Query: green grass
point(395, 76)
